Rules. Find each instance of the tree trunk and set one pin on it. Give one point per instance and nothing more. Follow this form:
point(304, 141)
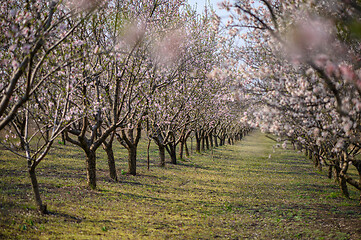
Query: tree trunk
point(191, 146)
point(215, 141)
point(210, 140)
point(132, 160)
point(47, 134)
point(207, 142)
point(148, 156)
point(181, 149)
point(108, 148)
point(358, 167)
point(63, 138)
point(22, 125)
point(198, 145)
point(222, 140)
point(340, 180)
point(202, 144)
point(329, 172)
point(34, 182)
point(91, 169)
point(343, 186)
point(318, 163)
point(359, 173)
point(171, 149)
point(186, 148)
point(161, 155)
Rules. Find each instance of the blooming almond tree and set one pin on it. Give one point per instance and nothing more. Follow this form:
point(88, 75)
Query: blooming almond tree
point(35, 50)
point(115, 76)
point(44, 118)
point(33, 30)
point(307, 69)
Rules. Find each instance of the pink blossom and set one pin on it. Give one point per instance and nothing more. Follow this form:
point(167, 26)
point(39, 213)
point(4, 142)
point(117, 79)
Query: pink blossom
point(15, 64)
point(347, 72)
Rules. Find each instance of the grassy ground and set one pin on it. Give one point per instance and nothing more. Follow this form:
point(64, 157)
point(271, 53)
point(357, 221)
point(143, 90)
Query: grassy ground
point(240, 193)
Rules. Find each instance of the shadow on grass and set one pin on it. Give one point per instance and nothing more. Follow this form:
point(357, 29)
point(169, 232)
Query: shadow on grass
point(138, 196)
point(193, 165)
point(67, 217)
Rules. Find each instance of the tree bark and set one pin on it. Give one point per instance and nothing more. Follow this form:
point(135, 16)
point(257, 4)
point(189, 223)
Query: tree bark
point(181, 149)
point(34, 182)
point(108, 148)
point(171, 149)
point(132, 160)
point(210, 139)
point(63, 138)
point(341, 180)
point(202, 144)
point(148, 156)
point(186, 148)
point(329, 172)
point(207, 142)
point(222, 139)
point(215, 141)
point(198, 143)
point(91, 170)
point(343, 186)
point(161, 155)
point(130, 142)
point(359, 173)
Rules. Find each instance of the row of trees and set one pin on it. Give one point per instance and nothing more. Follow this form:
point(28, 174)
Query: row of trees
point(93, 72)
point(301, 69)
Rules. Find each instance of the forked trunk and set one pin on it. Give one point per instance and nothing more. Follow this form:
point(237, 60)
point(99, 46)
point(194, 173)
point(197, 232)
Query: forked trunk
point(341, 181)
point(173, 157)
point(171, 149)
point(34, 182)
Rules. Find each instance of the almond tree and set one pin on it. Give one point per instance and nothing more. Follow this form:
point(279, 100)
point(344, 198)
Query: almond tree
point(316, 47)
point(46, 114)
point(35, 51)
point(113, 81)
point(33, 30)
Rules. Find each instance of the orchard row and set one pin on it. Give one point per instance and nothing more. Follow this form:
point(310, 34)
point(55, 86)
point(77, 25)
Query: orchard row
point(93, 72)
point(301, 75)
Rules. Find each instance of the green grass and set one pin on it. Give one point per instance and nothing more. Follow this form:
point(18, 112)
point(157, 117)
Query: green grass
point(240, 193)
